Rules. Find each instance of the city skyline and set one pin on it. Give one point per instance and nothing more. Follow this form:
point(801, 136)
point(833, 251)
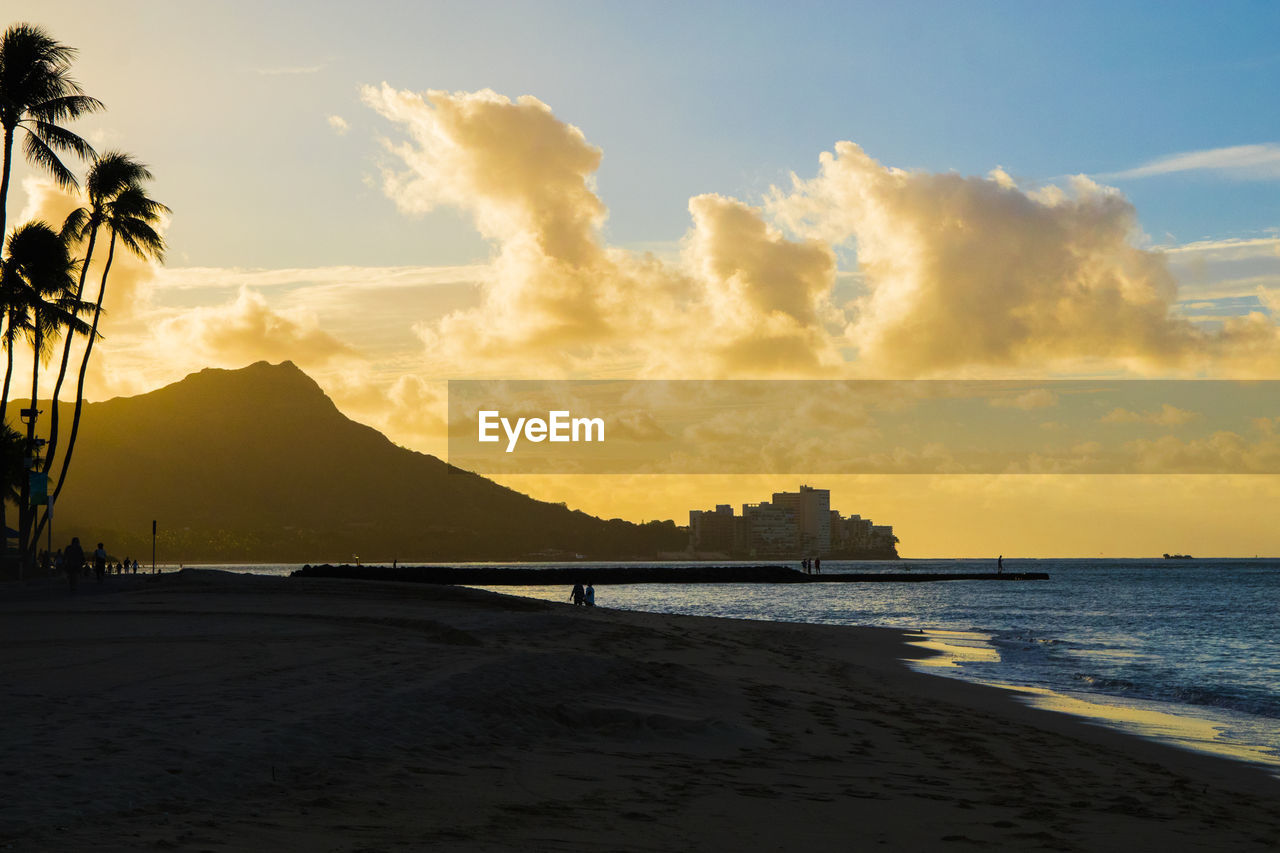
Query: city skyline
point(792, 525)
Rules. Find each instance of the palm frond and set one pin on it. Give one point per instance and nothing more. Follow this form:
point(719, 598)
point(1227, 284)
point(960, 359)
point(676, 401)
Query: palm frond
point(62, 139)
point(39, 281)
point(42, 155)
point(65, 107)
point(113, 172)
point(32, 40)
point(76, 226)
point(132, 216)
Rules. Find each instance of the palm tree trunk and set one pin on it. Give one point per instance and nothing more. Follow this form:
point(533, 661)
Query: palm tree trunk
point(84, 366)
point(4, 181)
point(4, 403)
point(8, 374)
point(26, 513)
point(66, 358)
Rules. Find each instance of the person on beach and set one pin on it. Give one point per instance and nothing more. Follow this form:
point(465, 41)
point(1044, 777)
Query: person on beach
point(73, 561)
point(589, 595)
point(1000, 564)
point(817, 565)
point(578, 596)
point(100, 562)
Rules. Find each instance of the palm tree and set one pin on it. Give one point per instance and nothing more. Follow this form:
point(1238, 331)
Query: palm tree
point(36, 95)
point(10, 462)
point(10, 441)
point(14, 319)
point(11, 475)
point(109, 176)
point(131, 217)
point(39, 278)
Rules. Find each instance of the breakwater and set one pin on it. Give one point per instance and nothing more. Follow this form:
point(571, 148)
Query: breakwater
point(568, 575)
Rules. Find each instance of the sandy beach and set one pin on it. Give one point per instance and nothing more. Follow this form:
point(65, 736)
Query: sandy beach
point(206, 711)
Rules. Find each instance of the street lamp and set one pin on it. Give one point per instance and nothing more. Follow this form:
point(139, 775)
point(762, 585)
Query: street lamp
point(26, 512)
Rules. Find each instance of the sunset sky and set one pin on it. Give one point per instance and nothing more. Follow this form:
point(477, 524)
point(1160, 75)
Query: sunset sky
point(393, 195)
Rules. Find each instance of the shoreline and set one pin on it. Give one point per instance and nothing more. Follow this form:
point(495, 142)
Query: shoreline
point(1187, 727)
point(204, 708)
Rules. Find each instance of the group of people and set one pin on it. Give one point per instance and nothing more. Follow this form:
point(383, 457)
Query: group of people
point(75, 562)
point(585, 596)
point(811, 566)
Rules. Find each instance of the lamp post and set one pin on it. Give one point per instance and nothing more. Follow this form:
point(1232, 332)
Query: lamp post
point(26, 512)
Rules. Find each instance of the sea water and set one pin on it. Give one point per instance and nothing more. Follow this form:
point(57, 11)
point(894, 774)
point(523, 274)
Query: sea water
point(1183, 650)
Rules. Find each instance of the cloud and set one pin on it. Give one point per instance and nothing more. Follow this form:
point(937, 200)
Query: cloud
point(339, 124)
point(1244, 162)
point(740, 298)
point(767, 294)
point(523, 173)
point(1223, 451)
point(409, 409)
point(131, 279)
point(1225, 269)
point(1166, 415)
point(348, 278)
point(246, 330)
point(1037, 398)
point(953, 275)
point(967, 273)
point(1229, 249)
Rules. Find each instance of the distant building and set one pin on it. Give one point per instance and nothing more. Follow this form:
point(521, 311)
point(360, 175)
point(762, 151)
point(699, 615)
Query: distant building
point(882, 537)
point(812, 508)
point(714, 531)
point(771, 530)
point(790, 525)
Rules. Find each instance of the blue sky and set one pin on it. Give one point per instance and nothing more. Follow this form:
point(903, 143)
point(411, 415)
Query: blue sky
point(683, 99)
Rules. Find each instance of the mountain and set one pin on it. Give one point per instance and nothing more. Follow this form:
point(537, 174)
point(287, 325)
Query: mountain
point(258, 464)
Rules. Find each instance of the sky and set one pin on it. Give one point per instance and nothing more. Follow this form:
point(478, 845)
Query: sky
point(397, 194)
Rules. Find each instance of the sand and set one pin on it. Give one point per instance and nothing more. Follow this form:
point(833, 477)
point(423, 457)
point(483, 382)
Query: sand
point(206, 711)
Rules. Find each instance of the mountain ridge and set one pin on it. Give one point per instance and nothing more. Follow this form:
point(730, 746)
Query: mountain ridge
point(259, 464)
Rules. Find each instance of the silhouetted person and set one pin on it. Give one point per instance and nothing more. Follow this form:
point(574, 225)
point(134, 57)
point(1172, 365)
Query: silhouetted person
point(578, 595)
point(589, 595)
point(817, 565)
point(73, 561)
point(100, 562)
point(1000, 564)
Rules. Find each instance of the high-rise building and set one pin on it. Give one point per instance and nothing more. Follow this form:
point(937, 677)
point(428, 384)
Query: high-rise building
point(770, 529)
point(812, 508)
point(713, 531)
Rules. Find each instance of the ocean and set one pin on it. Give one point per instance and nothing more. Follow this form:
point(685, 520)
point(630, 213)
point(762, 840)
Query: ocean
point(1186, 651)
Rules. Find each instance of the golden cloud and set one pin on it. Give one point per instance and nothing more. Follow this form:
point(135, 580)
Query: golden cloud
point(967, 272)
point(246, 330)
point(1166, 415)
point(743, 298)
point(131, 279)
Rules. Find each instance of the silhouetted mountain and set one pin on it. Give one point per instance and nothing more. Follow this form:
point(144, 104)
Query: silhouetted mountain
point(258, 464)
